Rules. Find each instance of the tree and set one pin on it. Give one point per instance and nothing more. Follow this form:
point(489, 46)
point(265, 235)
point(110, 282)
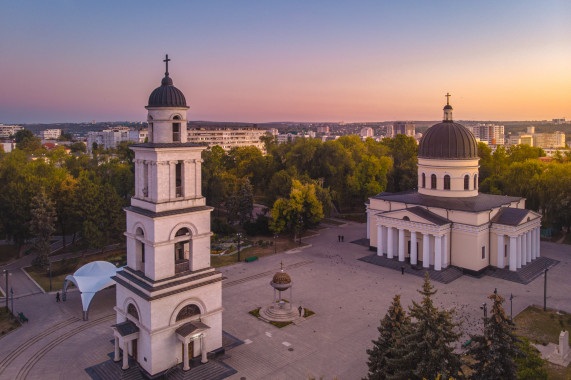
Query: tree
point(404, 174)
point(427, 350)
point(42, 227)
point(393, 326)
point(301, 211)
point(65, 136)
point(494, 352)
point(25, 140)
point(78, 147)
point(530, 365)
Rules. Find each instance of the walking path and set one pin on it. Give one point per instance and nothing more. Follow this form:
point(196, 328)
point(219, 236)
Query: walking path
point(348, 296)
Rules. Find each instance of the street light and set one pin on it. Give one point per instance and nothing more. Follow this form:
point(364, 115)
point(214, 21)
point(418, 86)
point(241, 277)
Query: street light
point(275, 243)
point(50, 276)
point(485, 308)
point(12, 296)
point(6, 274)
point(511, 305)
point(239, 238)
point(545, 289)
point(300, 228)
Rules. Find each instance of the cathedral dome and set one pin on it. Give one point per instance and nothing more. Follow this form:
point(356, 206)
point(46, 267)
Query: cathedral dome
point(167, 95)
point(448, 140)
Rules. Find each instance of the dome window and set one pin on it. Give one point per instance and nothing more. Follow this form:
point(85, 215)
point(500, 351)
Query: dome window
point(423, 180)
point(466, 182)
point(433, 181)
point(446, 182)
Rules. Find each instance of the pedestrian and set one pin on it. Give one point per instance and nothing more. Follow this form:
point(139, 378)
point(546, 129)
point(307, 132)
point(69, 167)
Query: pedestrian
point(402, 270)
point(57, 297)
point(342, 238)
point(300, 310)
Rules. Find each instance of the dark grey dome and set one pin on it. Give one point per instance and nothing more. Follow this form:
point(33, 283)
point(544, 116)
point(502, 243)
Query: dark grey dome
point(448, 140)
point(167, 95)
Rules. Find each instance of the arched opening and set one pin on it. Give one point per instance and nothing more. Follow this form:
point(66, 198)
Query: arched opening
point(176, 130)
point(178, 180)
point(466, 182)
point(140, 249)
point(423, 180)
point(182, 250)
point(446, 182)
point(475, 181)
point(406, 218)
point(132, 311)
point(433, 181)
point(188, 311)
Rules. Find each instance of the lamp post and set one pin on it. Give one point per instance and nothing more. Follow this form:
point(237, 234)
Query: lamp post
point(50, 276)
point(545, 289)
point(11, 296)
point(6, 274)
point(300, 228)
point(239, 239)
point(511, 305)
point(485, 308)
point(275, 243)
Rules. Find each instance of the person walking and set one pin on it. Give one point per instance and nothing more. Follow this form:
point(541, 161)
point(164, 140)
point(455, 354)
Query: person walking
point(57, 297)
point(300, 309)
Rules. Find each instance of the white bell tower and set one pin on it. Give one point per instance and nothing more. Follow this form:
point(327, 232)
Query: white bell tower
point(169, 298)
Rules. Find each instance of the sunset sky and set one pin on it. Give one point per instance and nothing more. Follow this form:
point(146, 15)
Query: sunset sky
point(262, 61)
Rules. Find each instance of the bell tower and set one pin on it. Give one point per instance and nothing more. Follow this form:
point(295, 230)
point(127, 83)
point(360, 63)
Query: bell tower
point(169, 298)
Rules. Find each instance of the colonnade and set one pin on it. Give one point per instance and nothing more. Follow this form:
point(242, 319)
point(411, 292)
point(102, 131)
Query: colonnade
point(391, 240)
point(522, 248)
point(186, 358)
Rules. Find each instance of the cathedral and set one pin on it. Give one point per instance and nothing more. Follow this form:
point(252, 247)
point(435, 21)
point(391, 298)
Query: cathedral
point(168, 297)
point(447, 221)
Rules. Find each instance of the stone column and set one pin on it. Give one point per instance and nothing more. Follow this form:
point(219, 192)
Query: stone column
point(501, 263)
point(197, 177)
point(437, 252)
point(528, 246)
point(390, 249)
point(538, 233)
point(204, 358)
point(445, 250)
point(533, 245)
point(523, 249)
point(185, 366)
point(379, 240)
point(425, 250)
point(125, 355)
point(188, 169)
point(172, 179)
point(369, 226)
point(413, 251)
point(518, 262)
point(401, 244)
point(116, 356)
point(513, 253)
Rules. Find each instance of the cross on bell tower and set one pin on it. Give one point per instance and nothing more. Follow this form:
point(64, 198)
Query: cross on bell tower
point(447, 109)
point(166, 61)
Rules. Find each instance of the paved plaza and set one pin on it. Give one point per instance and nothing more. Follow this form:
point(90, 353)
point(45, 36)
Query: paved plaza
point(348, 296)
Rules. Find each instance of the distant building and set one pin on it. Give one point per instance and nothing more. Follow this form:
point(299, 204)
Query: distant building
point(367, 132)
point(550, 140)
point(403, 128)
point(50, 134)
point(323, 129)
point(526, 139)
point(109, 138)
point(559, 121)
point(531, 130)
point(489, 133)
point(9, 130)
point(7, 145)
point(227, 137)
point(287, 137)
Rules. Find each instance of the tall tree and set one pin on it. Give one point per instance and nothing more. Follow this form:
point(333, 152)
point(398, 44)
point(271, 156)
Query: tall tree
point(428, 349)
point(42, 227)
point(393, 326)
point(494, 352)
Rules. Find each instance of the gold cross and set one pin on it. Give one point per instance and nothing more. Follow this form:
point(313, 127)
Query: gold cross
point(448, 98)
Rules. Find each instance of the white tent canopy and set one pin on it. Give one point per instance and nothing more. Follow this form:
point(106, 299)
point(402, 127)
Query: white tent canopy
point(91, 278)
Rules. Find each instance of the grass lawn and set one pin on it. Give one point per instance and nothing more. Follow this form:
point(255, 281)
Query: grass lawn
point(6, 324)
point(60, 269)
point(283, 244)
point(542, 328)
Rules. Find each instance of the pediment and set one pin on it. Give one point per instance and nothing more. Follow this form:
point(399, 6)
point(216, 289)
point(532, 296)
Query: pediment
point(417, 215)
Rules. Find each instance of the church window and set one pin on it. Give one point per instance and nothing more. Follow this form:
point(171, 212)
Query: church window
point(176, 130)
point(132, 310)
point(466, 182)
point(187, 312)
point(483, 252)
point(406, 218)
point(182, 251)
point(423, 180)
point(178, 180)
point(446, 182)
point(475, 181)
point(433, 181)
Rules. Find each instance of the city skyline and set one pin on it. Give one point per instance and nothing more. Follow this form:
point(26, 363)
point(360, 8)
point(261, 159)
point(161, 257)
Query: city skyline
point(256, 62)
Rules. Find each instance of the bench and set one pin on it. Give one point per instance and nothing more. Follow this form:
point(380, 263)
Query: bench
point(251, 258)
point(22, 317)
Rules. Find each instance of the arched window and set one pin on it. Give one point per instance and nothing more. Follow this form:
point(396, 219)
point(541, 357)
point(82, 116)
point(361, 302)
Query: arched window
point(423, 180)
point(433, 181)
point(176, 130)
point(406, 218)
point(132, 310)
point(140, 246)
point(466, 182)
point(475, 181)
point(187, 312)
point(446, 182)
point(182, 251)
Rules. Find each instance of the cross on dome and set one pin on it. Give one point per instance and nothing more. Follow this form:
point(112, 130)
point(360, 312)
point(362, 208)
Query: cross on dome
point(166, 61)
point(447, 97)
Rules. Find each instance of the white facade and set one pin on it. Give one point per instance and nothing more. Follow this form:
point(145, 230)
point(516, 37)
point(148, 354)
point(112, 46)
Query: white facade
point(169, 298)
point(367, 132)
point(489, 133)
point(51, 134)
point(110, 138)
point(9, 130)
point(227, 137)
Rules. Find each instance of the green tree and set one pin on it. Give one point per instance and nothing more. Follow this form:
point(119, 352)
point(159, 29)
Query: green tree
point(522, 152)
point(393, 327)
point(486, 164)
point(65, 136)
point(241, 203)
point(25, 140)
point(530, 365)
point(78, 147)
point(404, 174)
point(42, 227)
point(428, 348)
point(494, 352)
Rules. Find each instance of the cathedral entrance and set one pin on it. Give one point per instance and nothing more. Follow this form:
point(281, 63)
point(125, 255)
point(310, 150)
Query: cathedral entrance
point(190, 349)
point(134, 350)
